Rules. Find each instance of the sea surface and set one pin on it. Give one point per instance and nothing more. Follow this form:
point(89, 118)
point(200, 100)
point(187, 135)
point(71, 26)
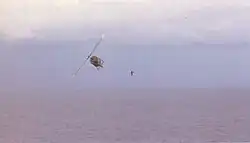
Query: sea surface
point(125, 116)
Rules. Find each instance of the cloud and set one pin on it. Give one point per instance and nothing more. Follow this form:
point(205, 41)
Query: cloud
point(158, 19)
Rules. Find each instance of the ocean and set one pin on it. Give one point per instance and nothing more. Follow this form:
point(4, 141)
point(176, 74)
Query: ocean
point(125, 116)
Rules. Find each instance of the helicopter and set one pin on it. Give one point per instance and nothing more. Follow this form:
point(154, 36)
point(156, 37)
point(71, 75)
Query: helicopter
point(94, 60)
point(132, 73)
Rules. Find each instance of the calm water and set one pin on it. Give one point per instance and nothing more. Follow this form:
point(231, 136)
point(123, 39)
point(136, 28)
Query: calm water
point(142, 116)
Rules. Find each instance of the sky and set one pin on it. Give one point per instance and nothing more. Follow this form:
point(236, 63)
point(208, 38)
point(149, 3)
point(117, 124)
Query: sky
point(169, 43)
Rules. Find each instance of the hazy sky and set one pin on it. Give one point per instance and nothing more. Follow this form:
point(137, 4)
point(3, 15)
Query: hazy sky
point(193, 19)
point(175, 43)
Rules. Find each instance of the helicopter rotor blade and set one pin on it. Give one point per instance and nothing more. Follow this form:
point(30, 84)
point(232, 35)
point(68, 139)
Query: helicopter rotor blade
point(95, 46)
point(81, 66)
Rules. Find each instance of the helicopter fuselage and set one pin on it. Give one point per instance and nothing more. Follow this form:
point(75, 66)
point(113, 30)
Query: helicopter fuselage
point(97, 62)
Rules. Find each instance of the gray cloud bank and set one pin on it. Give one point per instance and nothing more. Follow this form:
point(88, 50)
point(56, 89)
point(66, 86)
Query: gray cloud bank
point(146, 21)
